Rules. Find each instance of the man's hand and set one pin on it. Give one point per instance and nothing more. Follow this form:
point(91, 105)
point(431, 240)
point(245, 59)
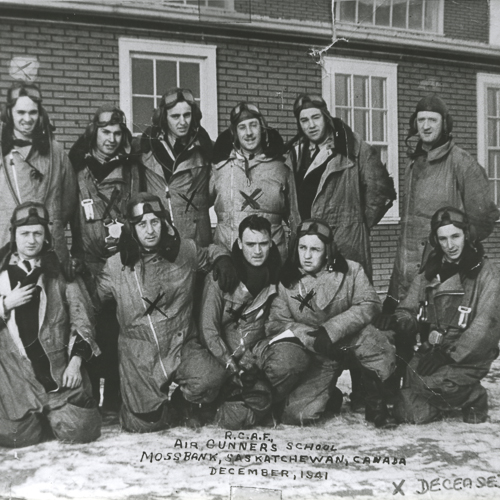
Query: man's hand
point(432, 361)
point(323, 344)
point(225, 274)
point(72, 376)
point(18, 297)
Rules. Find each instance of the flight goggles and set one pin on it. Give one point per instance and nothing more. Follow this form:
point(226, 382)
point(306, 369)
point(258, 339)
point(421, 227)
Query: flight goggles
point(240, 109)
point(111, 118)
point(313, 226)
point(31, 214)
point(178, 95)
point(305, 99)
point(147, 207)
point(24, 91)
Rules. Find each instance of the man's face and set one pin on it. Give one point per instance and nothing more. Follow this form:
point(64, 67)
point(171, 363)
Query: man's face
point(29, 240)
point(25, 116)
point(109, 139)
point(179, 119)
point(149, 231)
point(249, 135)
point(255, 246)
point(313, 124)
point(429, 126)
point(452, 242)
point(312, 253)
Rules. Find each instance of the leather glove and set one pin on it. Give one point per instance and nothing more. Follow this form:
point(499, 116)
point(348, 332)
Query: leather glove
point(323, 345)
point(225, 274)
point(384, 322)
point(389, 306)
point(432, 361)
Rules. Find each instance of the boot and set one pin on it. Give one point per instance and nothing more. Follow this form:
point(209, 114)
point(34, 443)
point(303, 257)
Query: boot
point(191, 415)
point(476, 412)
point(376, 409)
point(335, 400)
point(358, 394)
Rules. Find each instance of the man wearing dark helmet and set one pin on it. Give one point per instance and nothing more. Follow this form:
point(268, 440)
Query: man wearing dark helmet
point(108, 174)
point(320, 324)
point(152, 281)
point(451, 314)
point(176, 151)
point(45, 333)
point(34, 166)
point(439, 174)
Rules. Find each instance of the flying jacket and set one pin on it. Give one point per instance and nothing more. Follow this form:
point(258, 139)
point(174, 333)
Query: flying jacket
point(56, 190)
point(446, 176)
point(232, 323)
point(151, 337)
point(261, 185)
point(89, 233)
point(343, 303)
point(62, 316)
point(185, 196)
point(354, 193)
point(470, 337)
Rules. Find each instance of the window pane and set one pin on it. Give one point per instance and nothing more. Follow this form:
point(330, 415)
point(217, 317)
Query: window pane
point(399, 13)
point(166, 76)
point(142, 110)
point(142, 76)
point(415, 15)
point(341, 90)
point(216, 4)
point(383, 13)
point(365, 11)
point(190, 77)
point(360, 91)
point(378, 126)
point(378, 93)
point(493, 133)
point(494, 164)
point(493, 108)
point(344, 115)
point(431, 15)
point(347, 11)
point(360, 123)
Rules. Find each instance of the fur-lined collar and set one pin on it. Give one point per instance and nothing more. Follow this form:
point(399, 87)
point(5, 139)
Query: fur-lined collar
point(49, 261)
point(469, 265)
point(273, 147)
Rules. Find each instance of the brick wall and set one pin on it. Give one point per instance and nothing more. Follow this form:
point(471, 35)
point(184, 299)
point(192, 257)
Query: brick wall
point(467, 19)
point(313, 10)
point(79, 72)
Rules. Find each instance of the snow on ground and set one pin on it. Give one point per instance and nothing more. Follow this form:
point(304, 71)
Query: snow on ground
point(444, 460)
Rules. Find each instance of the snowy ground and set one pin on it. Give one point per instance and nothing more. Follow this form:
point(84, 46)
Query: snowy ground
point(445, 460)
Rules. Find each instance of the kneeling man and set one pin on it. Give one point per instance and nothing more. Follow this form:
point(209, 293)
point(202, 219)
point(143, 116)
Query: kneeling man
point(452, 313)
point(320, 321)
point(45, 332)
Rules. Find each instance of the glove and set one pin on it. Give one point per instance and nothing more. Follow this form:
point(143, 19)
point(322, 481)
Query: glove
point(385, 322)
point(323, 344)
point(389, 306)
point(225, 274)
point(432, 361)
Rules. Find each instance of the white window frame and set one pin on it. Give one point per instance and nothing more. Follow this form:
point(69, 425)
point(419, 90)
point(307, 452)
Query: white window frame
point(484, 80)
point(389, 71)
point(204, 54)
point(440, 21)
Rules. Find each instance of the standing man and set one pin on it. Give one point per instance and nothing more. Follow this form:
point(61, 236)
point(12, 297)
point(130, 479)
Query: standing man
point(321, 319)
point(339, 178)
point(107, 175)
point(33, 166)
point(232, 325)
point(45, 333)
point(439, 174)
point(249, 176)
point(452, 309)
point(176, 151)
point(152, 282)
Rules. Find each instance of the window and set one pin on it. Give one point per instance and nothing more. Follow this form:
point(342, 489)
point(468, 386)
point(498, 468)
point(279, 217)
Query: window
point(364, 95)
point(488, 128)
point(148, 68)
point(211, 4)
point(418, 15)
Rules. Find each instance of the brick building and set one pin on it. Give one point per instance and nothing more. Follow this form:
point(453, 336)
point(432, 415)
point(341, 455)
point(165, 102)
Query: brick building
point(385, 55)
